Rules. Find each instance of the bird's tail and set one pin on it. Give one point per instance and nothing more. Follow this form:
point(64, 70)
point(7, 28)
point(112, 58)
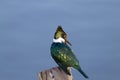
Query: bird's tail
point(81, 71)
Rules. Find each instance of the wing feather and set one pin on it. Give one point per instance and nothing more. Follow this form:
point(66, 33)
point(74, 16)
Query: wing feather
point(63, 54)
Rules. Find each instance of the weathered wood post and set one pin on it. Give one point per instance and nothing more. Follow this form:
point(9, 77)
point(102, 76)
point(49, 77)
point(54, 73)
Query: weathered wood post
point(55, 73)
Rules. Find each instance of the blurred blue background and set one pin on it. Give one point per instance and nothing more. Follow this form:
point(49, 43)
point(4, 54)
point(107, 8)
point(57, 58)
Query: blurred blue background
point(27, 28)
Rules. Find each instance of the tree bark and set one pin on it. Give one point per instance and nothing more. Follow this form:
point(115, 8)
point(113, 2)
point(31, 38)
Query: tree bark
point(55, 73)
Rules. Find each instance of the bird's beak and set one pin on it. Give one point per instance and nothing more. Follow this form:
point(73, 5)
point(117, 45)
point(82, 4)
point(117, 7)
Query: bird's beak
point(68, 42)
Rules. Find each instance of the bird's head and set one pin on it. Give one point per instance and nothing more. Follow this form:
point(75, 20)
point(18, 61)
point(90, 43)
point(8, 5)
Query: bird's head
point(60, 36)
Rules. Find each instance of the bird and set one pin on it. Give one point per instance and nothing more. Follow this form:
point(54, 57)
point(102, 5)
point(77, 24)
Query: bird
point(62, 53)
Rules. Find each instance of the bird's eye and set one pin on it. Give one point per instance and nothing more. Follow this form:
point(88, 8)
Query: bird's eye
point(64, 36)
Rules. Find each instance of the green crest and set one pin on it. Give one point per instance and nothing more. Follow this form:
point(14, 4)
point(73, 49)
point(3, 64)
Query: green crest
point(59, 33)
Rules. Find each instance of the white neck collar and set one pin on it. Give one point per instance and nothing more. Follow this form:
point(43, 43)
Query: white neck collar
point(59, 40)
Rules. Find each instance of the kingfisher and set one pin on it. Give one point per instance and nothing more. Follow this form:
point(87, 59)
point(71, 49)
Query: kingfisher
point(62, 54)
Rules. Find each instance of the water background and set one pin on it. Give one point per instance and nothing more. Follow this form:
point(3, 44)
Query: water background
point(27, 28)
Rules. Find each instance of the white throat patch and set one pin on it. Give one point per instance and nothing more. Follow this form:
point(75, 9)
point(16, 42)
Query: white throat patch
point(59, 40)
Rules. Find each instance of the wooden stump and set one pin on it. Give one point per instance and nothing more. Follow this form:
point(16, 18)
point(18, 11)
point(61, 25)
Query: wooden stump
point(54, 73)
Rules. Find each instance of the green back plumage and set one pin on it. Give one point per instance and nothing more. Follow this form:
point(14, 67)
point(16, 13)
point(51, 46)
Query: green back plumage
point(64, 54)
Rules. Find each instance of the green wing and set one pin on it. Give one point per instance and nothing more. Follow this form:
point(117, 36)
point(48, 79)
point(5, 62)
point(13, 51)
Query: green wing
point(64, 56)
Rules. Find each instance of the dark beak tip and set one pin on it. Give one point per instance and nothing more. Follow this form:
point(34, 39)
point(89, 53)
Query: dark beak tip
point(69, 43)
